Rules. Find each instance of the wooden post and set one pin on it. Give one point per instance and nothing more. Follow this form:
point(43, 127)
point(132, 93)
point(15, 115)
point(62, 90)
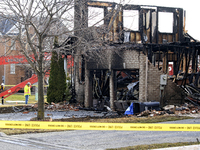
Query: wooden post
point(112, 90)
point(184, 63)
point(88, 89)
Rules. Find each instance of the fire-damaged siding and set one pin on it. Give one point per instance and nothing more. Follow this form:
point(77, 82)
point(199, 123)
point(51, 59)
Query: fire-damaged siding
point(119, 59)
point(149, 78)
point(126, 59)
point(122, 60)
point(131, 59)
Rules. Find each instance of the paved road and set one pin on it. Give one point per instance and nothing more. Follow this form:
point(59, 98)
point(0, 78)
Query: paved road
point(96, 140)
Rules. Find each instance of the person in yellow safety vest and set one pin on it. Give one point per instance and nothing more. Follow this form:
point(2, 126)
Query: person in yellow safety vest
point(27, 92)
point(2, 87)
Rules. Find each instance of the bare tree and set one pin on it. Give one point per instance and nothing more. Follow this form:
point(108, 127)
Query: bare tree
point(36, 24)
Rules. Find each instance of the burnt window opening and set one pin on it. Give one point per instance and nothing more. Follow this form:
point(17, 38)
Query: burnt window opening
point(165, 22)
point(131, 20)
point(100, 85)
point(147, 19)
point(95, 16)
point(127, 84)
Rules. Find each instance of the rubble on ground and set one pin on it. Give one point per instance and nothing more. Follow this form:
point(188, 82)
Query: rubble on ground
point(192, 94)
point(65, 110)
point(63, 106)
point(180, 110)
point(185, 109)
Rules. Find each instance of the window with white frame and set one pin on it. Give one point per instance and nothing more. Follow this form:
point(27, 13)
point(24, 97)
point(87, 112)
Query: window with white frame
point(12, 68)
point(12, 44)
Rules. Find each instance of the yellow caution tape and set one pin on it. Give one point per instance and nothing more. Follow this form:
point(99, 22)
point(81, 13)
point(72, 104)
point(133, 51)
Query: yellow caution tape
point(99, 126)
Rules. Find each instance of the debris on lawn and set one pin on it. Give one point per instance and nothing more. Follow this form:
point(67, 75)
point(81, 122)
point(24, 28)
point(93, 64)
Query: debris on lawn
point(62, 106)
point(146, 110)
point(185, 109)
point(140, 109)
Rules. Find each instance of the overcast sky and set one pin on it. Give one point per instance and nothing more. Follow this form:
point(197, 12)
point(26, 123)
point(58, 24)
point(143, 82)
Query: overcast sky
point(191, 6)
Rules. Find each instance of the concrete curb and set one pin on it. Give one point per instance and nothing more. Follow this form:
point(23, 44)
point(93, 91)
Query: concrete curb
point(3, 134)
point(190, 147)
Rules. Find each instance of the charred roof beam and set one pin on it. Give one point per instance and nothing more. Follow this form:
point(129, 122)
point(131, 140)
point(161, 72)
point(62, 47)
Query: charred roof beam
point(100, 4)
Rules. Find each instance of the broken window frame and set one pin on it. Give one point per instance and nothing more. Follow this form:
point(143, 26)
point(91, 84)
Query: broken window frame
point(168, 27)
point(135, 18)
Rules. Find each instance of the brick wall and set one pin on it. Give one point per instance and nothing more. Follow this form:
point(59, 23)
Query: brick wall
point(153, 83)
point(10, 79)
point(131, 58)
point(120, 59)
point(142, 78)
point(149, 76)
point(172, 93)
point(14, 79)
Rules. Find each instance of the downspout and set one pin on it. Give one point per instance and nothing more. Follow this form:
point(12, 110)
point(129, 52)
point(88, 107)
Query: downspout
point(146, 78)
point(4, 66)
point(65, 66)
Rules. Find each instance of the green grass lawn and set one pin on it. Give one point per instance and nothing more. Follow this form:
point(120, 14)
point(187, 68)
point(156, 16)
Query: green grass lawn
point(20, 97)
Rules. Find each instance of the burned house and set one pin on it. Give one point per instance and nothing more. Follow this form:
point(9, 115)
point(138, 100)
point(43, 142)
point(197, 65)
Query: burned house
point(133, 64)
